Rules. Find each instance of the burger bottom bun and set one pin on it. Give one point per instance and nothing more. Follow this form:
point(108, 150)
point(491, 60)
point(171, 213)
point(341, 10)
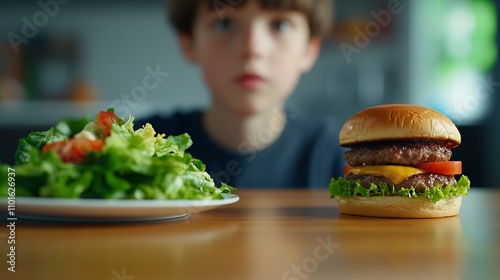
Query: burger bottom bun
point(399, 207)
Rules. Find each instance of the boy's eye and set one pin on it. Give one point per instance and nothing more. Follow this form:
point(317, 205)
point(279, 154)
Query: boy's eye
point(224, 24)
point(280, 25)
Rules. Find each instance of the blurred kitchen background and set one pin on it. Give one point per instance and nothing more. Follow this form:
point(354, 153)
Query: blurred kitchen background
point(67, 58)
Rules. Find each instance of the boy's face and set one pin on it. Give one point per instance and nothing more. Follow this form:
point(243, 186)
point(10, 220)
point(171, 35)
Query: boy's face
point(251, 58)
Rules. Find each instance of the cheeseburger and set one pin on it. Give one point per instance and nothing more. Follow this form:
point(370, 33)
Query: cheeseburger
point(399, 164)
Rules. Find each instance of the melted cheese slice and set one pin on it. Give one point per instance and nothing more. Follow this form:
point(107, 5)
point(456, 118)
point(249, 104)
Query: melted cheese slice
point(395, 173)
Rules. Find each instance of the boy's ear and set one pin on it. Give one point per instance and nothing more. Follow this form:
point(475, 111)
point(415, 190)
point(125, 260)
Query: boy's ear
point(187, 47)
point(311, 53)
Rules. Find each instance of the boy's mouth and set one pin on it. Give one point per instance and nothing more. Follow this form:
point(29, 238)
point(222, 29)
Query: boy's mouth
point(250, 80)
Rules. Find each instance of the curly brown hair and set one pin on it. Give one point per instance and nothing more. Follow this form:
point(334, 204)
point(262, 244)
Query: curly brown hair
point(182, 13)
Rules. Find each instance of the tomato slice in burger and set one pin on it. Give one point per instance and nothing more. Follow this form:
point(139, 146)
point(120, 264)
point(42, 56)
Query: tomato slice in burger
point(347, 168)
point(442, 167)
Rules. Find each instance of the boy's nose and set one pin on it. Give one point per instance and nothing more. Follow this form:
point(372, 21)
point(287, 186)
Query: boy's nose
point(254, 42)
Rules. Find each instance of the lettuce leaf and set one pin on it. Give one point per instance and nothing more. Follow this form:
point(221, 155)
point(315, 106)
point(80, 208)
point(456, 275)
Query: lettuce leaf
point(342, 188)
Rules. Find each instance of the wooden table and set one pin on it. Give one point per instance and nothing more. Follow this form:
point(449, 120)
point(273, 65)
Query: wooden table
point(268, 234)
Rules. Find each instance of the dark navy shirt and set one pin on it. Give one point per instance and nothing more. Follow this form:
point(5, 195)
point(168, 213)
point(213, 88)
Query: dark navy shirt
point(306, 154)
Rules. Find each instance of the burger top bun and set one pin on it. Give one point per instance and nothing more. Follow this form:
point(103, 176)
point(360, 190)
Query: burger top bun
point(395, 122)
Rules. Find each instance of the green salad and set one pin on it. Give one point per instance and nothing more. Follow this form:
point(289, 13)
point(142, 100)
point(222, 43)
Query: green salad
point(107, 158)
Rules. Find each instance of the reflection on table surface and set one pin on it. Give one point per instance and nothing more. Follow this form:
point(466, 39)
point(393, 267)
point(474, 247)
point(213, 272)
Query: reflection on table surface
point(268, 234)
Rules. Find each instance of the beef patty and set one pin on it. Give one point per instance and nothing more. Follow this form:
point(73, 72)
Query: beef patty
point(419, 181)
point(396, 153)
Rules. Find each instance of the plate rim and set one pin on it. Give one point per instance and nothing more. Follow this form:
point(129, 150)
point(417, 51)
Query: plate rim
point(113, 203)
point(82, 209)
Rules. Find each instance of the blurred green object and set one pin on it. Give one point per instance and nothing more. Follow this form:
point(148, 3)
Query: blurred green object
point(484, 51)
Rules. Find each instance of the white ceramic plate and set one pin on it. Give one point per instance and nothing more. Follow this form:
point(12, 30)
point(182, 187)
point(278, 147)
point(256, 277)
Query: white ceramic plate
point(109, 210)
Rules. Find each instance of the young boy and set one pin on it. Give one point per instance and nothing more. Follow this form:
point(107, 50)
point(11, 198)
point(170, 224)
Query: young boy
point(252, 54)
